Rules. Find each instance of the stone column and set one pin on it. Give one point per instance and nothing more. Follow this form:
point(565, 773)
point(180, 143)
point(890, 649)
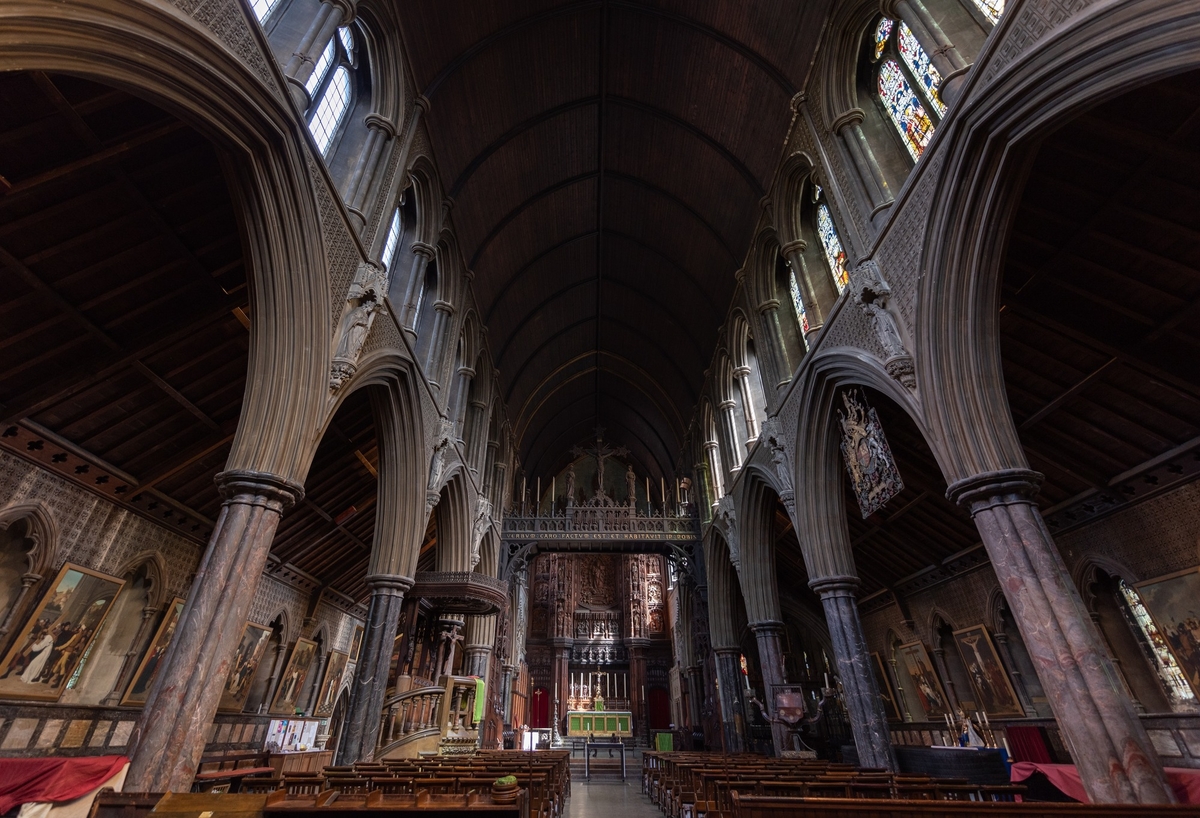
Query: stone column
point(369, 688)
point(1112, 752)
point(864, 705)
point(443, 312)
point(562, 682)
point(264, 704)
point(770, 658)
point(695, 680)
point(506, 681)
point(742, 375)
point(781, 368)
point(170, 735)
point(414, 289)
point(942, 53)
point(130, 661)
point(462, 391)
point(848, 127)
point(477, 646)
point(736, 456)
point(729, 686)
point(302, 63)
point(379, 133)
point(817, 290)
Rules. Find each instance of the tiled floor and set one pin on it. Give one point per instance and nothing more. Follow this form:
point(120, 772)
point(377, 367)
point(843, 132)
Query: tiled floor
point(609, 798)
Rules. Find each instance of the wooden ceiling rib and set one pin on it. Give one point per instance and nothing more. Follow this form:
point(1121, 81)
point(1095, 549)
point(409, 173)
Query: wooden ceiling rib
point(606, 159)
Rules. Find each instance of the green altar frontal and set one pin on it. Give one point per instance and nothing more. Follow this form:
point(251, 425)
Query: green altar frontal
point(599, 722)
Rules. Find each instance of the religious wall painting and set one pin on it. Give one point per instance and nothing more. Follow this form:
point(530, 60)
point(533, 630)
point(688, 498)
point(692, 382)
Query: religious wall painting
point(656, 621)
point(356, 643)
point(295, 674)
point(869, 462)
point(926, 686)
point(139, 688)
point(58, 633)
point(335, 668)
point(241, 669)
point(890, 705)
point(1174, 604)
point(991, 684)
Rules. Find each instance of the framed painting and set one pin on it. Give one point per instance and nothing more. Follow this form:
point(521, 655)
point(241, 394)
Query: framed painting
point(241, 670)
point(1174, 604)
point(335, 667)
point(295, 674)
point(139, 688)
point(926, 685)
point(993, 690)
point(356, 643)
point(890, 706)
point(57, 634)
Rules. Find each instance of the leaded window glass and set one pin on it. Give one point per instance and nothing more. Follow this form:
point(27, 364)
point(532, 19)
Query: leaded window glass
point(393, 239)
point(263, 8)
point(330, 110)
point(992, 9)
point(320, 68)
point(1178, 690)
point(918, 62)
point(904, 109)
point(347, 38)
point(834, 252)
point(798, 304)
point(882, 32)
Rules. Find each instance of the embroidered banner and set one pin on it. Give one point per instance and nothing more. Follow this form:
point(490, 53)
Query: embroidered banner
point(869, 461)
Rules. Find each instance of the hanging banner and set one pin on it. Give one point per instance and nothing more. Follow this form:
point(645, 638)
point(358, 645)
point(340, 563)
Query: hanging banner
point(869, 461)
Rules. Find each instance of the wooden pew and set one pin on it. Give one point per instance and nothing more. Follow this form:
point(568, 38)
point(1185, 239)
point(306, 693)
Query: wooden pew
point(762, 807)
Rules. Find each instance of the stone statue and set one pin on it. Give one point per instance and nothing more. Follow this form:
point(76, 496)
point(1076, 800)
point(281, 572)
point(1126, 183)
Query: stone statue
point(364, 299)
point(571, 485)
point(631, 485)
point(872, 294)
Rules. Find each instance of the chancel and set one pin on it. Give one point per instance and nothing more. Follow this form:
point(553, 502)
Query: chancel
point(448, 406)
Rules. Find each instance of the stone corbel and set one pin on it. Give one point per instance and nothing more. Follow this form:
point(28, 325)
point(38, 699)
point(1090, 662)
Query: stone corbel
point(872, 295)
point(363, 301)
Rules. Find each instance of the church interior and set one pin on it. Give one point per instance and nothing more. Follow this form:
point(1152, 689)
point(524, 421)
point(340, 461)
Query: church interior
point(741, 409)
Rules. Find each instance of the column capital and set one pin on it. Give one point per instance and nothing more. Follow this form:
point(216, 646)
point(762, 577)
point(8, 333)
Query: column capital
point(841, 585)
point(346, 7)
point(797, 102)
point(444, 306)
point(383, 583)
point(852, 117)
point(422, 102)
point(768, 305)
point(274, 488)
point(424, 250)
point(793, 246)
point(1003, 487)
point(767, 626)
point(380, 123)
point(730, 651)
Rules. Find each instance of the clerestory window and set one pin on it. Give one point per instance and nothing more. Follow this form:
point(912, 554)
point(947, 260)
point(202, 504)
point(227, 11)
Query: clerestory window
point(908, 86)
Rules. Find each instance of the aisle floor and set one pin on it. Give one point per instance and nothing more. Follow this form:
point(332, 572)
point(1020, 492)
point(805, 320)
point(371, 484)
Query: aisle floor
point(607, 797)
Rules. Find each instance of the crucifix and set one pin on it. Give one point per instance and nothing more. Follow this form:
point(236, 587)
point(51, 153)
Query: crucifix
point(601, 452)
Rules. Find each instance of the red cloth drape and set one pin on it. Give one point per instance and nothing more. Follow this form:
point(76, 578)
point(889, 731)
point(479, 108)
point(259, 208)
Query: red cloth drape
point(1185, 782)
point(1027, 744)
point(53, 779)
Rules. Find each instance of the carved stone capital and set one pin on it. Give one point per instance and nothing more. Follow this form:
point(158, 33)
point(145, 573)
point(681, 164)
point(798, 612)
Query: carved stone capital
point(425, 251)
point(841, 585)
point(421, 102)
point(378, 123)
point(852, 117)
point(444, 306)
point(793, 246)
point(901, 368)
point(768, 305)
point(389, 584)
point(767, 626)
point(348, 9)
point(797, 102)
point(237, 483)
point(1004, 487)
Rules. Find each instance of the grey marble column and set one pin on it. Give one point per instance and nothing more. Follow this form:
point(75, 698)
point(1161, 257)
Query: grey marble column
point(170, 735)
point(695, 680)
point(729, 686)
point(413, 289)
point(443, 313)
point(379, 132)
point(848, 127)
point(864, 705)
point(370, 676)
point(770, 658)
point(1109, 745)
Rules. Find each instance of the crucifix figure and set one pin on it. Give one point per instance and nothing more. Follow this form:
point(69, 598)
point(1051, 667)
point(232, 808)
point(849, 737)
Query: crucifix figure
point(602, 452)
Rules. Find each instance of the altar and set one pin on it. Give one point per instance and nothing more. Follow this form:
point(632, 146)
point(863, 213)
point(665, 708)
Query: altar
point(582, 723)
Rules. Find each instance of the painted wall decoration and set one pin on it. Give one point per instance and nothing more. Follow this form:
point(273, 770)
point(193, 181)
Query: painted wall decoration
point(869, 461)
point(1174, 604)
point(56, 637)
point(139, 688)
point(991, 684)
point(335, 667)
point(925, 683)
point(241, 670)
point(890, 705)
point(356, 643)
point(295, 674)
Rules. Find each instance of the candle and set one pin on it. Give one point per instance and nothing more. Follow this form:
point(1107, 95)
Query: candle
point(647, 494)
point(553, 492)
point(676, 489)
point(537, 505)
point(826, 680)
point(522, 494)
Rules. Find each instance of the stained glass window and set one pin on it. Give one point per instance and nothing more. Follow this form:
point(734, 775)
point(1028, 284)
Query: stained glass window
point(834, 253)
point(319, 69)
point(347, 38)
point(393, 239)
point(331, 109)
point(798, 303)
point(1178, 690)
point(905, 110)
point(882, 32)
point(262, 8)
point(918, 62)
point(992, 9)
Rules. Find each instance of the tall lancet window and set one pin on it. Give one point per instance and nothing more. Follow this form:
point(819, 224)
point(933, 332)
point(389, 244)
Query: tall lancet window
point(1179, 692)
point(991, 9)
point(798, 304)
point(908, 85)
point(835, 254)
point(331, 89)
point(262, 8)
point(331, 110)
point(392, 243)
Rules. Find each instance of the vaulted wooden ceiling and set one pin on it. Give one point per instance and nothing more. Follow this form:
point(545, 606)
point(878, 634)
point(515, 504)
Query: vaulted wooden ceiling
point(606, 159)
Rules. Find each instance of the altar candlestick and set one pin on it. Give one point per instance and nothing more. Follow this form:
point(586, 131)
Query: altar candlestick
point(522, 495)
point(826, 680)
point(553, 492)
point(647, 494)
point(537, 504)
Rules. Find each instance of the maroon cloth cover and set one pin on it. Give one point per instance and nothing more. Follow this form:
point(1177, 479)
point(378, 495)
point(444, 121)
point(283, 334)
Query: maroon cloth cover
point(1027, 744)
point(53, 779)
point(1185, 782)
